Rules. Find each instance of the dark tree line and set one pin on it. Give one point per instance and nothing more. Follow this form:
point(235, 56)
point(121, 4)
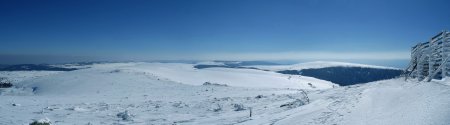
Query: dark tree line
point(347, 75)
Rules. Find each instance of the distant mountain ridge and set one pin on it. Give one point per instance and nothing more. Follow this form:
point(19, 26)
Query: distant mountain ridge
point(35, 67)
point(341, 73)
point(2, 66)
point(347, 75)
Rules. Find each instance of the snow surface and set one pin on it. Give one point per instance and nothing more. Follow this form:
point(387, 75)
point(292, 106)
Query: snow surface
point(389, 102)
point(186, 74)
point(210, 63)
point(171, 93)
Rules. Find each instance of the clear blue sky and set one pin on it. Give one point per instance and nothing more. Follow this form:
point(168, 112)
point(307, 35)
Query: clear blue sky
point(216, 29)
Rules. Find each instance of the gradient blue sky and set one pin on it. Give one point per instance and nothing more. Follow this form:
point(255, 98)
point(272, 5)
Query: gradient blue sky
point(71, 30)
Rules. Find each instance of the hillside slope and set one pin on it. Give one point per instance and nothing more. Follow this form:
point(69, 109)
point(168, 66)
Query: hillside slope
point(389, 102)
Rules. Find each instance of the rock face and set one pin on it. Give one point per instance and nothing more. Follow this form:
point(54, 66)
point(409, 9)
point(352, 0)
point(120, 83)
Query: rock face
point(347, 75)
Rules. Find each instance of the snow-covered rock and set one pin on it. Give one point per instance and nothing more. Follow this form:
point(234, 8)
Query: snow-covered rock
point(125, 116)
point(44, 121)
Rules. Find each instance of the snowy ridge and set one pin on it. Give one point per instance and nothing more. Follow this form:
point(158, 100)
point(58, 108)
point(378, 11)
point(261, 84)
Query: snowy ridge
point(319, 64)
point(186, 74)
point(210, 63)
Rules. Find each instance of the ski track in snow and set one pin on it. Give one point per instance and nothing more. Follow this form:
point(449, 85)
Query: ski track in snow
point(154, 93)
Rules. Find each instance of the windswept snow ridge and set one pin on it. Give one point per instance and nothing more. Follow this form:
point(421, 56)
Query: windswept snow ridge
point(319, 64)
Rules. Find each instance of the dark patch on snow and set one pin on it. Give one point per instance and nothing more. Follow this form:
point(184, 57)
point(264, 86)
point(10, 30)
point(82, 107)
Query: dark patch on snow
point(238, 107)
point(214, 84)
point(345, 76)
point(5, 83)
point(34, 89)
point(125, 116)
point(35, 67)
point(294, 104)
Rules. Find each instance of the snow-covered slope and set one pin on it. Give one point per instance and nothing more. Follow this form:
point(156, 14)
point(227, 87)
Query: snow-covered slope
point(147, 91)
point(101, 76)
point(389, 102)
point(170, 93)
point(186, 74)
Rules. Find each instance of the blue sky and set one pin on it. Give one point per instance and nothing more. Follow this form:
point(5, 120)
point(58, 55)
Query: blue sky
point(73, 30)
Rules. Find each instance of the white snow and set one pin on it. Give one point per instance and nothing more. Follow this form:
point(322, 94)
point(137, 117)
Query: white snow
point(210, 63)
point(390, 102)
point(186, 74)
point(172, 93)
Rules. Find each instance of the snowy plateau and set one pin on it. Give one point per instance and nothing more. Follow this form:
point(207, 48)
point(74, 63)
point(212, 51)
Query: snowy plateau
point(143, 93)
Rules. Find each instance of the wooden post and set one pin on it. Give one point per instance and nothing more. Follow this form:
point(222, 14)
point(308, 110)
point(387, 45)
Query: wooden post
point(250, 108)
point(437, 70)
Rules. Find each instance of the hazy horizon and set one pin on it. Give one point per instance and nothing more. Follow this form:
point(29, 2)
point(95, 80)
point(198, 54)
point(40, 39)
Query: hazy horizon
point(359, 31)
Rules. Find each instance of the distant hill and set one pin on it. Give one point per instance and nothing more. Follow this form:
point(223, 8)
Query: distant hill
point(347, 75)
point(337, 72)
point(3, 66)
point(34, 67)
